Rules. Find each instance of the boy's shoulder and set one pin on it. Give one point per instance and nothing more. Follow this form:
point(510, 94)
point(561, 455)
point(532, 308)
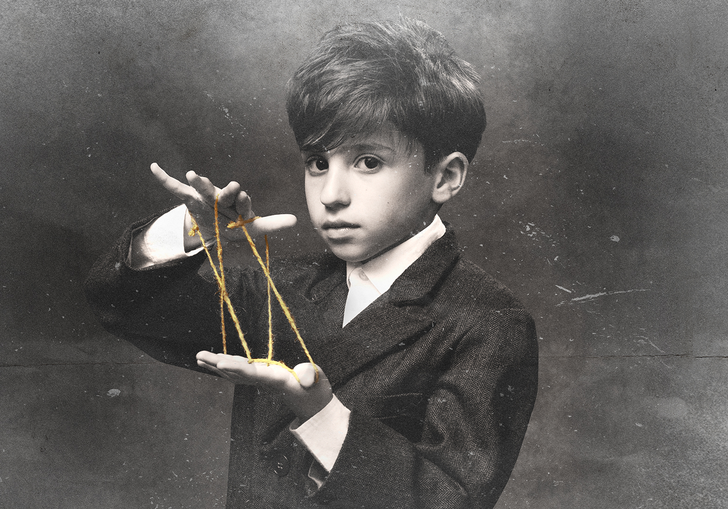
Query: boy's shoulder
point(486, 288)
point(442, 272)
point(489, 289)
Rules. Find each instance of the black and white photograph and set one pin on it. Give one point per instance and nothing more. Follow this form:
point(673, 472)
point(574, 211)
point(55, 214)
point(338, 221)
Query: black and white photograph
point(437, 255)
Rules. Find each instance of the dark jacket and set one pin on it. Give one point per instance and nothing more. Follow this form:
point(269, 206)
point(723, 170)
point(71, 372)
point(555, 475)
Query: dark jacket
point(440, 374)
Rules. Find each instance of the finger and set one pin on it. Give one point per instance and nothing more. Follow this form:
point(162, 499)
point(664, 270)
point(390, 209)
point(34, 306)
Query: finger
point(243, 205)
point(208, 358)
point(306, 374)
point(174, 186)
point(228, 195)
point(223, 365)
point(213, 358)
point(258, 373)
point(274, 223)
point(203, 186)
point(209, 193)
point(211, 368)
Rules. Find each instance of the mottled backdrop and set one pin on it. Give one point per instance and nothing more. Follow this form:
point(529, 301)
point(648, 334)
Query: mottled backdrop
point(599, 195)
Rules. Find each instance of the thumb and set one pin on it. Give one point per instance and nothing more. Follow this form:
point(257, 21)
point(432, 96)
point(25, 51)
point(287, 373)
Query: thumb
point(269, 224)
point(307, 374)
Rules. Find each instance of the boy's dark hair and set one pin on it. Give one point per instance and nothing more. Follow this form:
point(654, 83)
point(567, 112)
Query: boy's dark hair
point(363, 75)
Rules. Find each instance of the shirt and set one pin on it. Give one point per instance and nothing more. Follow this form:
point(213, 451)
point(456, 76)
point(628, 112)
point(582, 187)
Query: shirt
point(378, 275)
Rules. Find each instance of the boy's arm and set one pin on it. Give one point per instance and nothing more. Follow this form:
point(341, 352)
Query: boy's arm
point(323, 435)
point(161, 241)
point(170, 310)
point(474, 423)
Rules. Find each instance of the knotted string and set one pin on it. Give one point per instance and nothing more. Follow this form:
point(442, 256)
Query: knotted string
point(225, 301)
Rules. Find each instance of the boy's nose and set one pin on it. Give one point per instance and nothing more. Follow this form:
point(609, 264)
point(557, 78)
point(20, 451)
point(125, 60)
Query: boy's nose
point(335, 192)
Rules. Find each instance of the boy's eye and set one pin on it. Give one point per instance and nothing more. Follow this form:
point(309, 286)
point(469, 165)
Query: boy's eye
point(317, 164)
point(369, 163)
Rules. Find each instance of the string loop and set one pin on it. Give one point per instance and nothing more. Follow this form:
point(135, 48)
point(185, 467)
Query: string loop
point(225, 301)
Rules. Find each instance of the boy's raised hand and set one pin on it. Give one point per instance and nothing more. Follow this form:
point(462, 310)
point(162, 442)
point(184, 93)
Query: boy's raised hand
point(199, 197)
point(305, 398)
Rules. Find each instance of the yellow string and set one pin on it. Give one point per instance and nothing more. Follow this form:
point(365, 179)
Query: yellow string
point(240, 223)
point(270, 313)
point(225, 298)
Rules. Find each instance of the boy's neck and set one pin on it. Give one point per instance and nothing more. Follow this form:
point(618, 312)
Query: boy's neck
point(387, 266)
point(411, 235)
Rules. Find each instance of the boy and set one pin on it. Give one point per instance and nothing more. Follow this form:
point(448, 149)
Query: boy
point(427, 365)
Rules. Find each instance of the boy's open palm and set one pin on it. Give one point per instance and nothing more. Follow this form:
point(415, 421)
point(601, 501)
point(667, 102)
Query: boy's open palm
point(199, 196)
point(305, 398)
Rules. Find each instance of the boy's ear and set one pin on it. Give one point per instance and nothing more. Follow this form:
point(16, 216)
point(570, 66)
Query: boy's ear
point(449, 175)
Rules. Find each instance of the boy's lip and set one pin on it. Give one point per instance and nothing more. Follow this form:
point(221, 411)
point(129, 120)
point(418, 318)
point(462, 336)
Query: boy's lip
point(338, 231)
point(338, 225)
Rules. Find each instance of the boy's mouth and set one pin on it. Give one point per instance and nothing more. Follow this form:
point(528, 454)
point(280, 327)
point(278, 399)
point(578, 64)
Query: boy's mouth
point(338, 229)
point(338, 225)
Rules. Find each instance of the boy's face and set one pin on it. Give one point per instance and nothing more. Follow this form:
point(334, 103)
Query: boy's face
point(369, 194)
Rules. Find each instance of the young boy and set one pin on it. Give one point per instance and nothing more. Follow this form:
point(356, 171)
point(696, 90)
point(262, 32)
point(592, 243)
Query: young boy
point(427, 365)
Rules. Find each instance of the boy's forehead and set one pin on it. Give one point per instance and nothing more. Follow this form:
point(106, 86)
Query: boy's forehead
point(387, 137)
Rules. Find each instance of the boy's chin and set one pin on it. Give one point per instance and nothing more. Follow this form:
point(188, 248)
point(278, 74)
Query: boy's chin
point(350, 253)
point(358, 254)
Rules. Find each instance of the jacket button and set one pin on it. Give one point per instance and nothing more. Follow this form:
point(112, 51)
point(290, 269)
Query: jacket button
point(281, 465)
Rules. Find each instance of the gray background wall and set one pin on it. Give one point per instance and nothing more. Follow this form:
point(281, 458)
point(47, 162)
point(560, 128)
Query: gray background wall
point(599, 195)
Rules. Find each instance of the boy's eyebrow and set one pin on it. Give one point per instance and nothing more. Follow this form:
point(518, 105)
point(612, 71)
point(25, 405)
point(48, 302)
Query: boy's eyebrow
point(371, 146)
point(356, 147)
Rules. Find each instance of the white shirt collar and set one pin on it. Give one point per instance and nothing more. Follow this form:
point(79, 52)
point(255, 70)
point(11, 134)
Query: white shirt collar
point(383, 270)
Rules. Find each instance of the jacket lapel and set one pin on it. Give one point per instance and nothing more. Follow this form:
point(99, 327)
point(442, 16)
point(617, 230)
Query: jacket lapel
point(395, 320)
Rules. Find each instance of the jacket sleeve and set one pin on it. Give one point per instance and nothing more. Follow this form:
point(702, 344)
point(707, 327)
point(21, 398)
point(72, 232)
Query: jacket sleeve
point(474, 424)
point(170, 311)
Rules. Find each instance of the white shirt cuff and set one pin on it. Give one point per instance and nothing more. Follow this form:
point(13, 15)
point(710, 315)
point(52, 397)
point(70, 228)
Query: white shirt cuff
point(324, 433)
point(161, 241)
